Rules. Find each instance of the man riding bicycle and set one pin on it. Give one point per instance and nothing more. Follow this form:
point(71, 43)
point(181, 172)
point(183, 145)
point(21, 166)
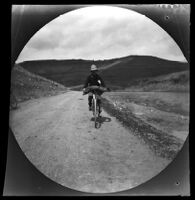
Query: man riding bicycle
point(94, 80)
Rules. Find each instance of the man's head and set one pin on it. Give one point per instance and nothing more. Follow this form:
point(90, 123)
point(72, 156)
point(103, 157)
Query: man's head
point(94, 69)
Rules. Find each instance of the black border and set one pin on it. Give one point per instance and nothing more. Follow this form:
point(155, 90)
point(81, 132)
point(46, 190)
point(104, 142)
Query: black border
point(22, 176)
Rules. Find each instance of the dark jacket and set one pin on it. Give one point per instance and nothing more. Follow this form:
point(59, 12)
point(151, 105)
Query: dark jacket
point(94, 79)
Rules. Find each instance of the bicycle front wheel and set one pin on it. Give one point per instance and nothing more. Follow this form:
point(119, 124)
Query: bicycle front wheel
point(95, 113)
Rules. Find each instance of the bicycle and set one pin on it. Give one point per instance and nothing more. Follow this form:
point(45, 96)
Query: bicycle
point(96, 108)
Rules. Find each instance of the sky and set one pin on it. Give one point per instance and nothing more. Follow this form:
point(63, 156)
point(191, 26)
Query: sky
point(98, 33)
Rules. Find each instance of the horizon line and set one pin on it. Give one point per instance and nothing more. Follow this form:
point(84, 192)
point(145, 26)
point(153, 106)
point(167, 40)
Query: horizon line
point(95, 60)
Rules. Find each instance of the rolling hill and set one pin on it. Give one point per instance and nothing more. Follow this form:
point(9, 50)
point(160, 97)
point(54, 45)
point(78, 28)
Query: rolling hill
point(117, 73)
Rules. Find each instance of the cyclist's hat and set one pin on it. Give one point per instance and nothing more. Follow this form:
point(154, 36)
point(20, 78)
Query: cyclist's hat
point(94, 68)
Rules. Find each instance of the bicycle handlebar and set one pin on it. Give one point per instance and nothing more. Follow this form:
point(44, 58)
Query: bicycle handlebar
point(95, 87)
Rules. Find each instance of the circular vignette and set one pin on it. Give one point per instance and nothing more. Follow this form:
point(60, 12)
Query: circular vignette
point(166, 17)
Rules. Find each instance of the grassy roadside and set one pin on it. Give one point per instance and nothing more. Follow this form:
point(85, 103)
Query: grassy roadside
point(161, 143)
point(26, 85)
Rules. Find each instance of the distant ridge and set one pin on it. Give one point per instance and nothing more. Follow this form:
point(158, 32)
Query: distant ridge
point(117, 72)
point(99, 60)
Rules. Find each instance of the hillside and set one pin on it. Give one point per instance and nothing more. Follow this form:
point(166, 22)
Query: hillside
point(26, 85)
point(119, 72)
point(66, 72)
point(175, 82)
point(127, 72)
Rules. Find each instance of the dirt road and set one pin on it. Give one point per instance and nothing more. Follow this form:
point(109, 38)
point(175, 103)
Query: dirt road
point(57, 135)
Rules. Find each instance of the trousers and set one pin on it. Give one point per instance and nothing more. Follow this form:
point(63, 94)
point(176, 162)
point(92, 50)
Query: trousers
point(90, 97)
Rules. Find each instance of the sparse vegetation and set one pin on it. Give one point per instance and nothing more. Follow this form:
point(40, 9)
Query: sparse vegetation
point(173, 82)
point(26, 86)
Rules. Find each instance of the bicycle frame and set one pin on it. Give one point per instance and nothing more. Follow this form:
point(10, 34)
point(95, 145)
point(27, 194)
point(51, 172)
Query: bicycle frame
point(95, 106)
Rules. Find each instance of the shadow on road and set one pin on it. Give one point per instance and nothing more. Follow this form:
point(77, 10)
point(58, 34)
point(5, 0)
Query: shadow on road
point(101, 120)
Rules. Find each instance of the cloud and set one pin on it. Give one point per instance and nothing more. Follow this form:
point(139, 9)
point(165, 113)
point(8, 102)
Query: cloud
point(44, 39)
point(100, 33)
